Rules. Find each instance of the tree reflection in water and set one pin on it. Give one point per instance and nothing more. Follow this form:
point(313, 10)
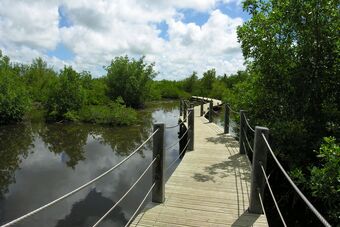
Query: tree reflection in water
point(16, 141)
point(87, 150)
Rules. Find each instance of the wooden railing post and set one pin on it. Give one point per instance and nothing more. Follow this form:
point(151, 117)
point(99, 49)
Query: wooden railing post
point(257, 178)
point(241, 136)
point(210, 111)
point(191, 125)
point(226, 118)
point(202, 103)
point(158, 192)
point(185, 111)
point(180, 107)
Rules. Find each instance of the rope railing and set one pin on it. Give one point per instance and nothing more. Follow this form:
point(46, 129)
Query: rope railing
point(172, 145)
point(180, 155)
point(174, 126)
point(249, 161)
point(140, 205)
point(303, 197)
point(244, 127)
point(231, 110)
point(272, 194)
point(247, 123)
point(79, 188)
point(261, 201)
point(247, 140)
point(125, 194)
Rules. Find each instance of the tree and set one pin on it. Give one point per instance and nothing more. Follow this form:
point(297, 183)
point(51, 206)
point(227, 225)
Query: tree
point(38, 78)
point(130, 79)
point(66, 97)
point(190, 84)
point(293, 48)
point(207, 81)
point(14, 100)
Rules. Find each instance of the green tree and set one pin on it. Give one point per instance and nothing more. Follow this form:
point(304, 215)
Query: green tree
point(14, 100)
point(131, 79)
point(38, 78)
point(66, 97)
point(323, 179)
point(292, 51)
point(207, 81)
point(190, 84)
point(293, 48)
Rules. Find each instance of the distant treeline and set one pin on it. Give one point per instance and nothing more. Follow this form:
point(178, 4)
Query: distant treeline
point(69, 95)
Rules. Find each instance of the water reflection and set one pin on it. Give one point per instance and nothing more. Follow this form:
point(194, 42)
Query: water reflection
point(15, 144)
point(44, 161)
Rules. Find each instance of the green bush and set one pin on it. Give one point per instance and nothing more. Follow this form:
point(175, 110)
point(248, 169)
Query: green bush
point(115, 113)
point(66, 96)
point(323, 179)
point(14, 100)
point(130, 79)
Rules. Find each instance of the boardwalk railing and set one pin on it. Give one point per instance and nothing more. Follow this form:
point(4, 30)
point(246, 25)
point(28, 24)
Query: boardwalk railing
point(157, 189)
point(254, 143)
point(257, 153)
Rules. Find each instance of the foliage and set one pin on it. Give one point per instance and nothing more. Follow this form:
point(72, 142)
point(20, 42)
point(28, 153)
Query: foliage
point(171, 90)
point(14, 100)
point(191, 84)
point(114, 113)
point(300, 85)
point(96, 90)
point(39, 79)
point(292, 50)
point(66, 97)
point(207, 82)
point(130, 79)
point(323, 179)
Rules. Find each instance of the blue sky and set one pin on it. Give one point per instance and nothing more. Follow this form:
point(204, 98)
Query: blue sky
point(179, 36)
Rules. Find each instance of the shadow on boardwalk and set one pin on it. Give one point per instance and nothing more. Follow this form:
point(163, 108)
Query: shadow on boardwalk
point(225, 139)
point(246, 219)
point(230, 167)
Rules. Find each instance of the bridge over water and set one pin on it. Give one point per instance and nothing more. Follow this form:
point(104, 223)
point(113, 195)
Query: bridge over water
point(210, 187)
point(219, 182)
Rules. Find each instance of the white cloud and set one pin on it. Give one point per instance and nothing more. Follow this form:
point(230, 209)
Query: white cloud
point(29, 23)
point(104, 29)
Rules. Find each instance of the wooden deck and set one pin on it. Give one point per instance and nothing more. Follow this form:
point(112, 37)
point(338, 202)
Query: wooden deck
point(210, 187)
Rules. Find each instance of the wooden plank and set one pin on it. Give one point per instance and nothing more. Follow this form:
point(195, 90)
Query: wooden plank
point(210, 187)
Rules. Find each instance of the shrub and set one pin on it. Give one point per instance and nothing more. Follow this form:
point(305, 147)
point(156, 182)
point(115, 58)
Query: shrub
point(14, 100)
point(66, 96)
point(115, 113)
point(130, 79)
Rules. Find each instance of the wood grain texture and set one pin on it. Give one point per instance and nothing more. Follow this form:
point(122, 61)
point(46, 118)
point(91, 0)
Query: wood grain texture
point(210, 187)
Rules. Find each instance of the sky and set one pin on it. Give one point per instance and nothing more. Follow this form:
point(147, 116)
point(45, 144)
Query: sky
point(179, 36)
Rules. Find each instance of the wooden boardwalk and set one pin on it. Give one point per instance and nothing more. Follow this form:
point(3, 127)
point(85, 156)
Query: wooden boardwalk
point(210, 187)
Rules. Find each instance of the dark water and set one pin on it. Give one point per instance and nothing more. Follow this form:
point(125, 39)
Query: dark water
point(40, 162)
point(218, 118)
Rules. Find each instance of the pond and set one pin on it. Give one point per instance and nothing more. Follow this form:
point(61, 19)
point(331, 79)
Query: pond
point(40, 162)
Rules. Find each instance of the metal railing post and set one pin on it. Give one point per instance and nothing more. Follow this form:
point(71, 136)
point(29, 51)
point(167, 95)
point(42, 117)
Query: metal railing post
point(158, 192)
point(226, 118)
point(257, 178)
point(202, 103)
point(180, 107)
point(241, 136)
point(191, 125)
point(210, 111)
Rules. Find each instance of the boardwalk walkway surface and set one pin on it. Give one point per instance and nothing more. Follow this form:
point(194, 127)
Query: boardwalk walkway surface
point(210, 187)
